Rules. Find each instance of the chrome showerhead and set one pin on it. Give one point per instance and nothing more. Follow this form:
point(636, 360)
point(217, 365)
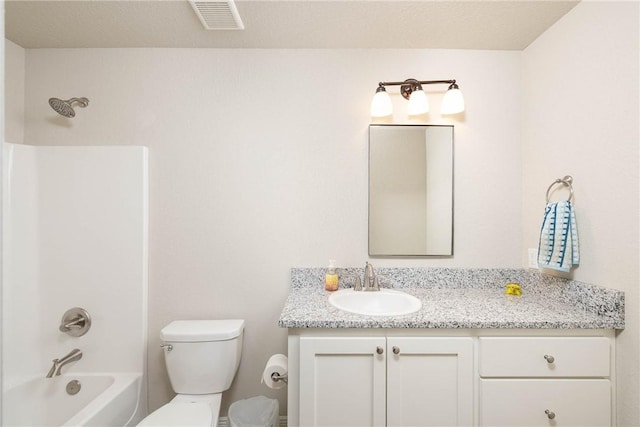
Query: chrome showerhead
point(64, 108)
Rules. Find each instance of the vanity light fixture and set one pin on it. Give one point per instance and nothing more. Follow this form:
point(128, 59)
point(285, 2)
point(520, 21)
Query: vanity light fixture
point(411, 89)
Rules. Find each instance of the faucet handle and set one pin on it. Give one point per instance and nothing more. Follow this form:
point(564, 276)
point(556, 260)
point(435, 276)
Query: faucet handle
point(75, 322)
point(376, 280)
point(358, 284)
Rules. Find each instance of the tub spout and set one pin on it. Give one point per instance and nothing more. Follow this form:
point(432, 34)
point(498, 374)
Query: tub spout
point(73, 356)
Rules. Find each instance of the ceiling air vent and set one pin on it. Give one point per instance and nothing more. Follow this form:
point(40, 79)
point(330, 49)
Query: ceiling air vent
point(218, 15)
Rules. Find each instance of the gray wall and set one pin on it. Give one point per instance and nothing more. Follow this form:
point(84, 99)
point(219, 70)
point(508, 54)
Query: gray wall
point(258, 163)
point(581, 118)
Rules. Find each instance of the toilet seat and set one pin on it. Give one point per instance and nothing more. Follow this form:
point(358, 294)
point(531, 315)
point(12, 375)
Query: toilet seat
point(192, 414)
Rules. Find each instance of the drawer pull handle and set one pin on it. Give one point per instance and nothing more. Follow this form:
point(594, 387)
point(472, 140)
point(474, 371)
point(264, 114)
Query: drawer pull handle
point(549, 359)
point(396, 350)
point(379, 350)
point(550, 414)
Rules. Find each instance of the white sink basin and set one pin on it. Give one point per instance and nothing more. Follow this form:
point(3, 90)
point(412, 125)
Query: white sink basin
point(385, 302)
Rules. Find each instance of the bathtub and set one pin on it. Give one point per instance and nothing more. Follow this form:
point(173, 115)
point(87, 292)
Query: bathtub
point(103, 400)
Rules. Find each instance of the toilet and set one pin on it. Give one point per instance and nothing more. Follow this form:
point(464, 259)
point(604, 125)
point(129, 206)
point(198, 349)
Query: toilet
point(202, 357)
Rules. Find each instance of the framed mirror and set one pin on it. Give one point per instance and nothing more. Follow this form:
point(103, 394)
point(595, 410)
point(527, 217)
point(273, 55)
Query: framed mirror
point(410, 190)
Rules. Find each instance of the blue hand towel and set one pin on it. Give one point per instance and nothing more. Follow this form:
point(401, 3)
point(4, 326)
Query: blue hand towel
point(558, 248)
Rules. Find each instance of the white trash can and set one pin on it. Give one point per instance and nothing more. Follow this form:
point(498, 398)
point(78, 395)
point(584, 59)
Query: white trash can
point(259, 411)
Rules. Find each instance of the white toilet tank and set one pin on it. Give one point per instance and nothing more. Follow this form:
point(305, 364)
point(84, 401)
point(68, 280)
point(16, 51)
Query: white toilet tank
point(202, 356)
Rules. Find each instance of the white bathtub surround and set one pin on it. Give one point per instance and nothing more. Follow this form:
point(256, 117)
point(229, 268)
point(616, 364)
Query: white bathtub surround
point(76, 236)
point(103, 399)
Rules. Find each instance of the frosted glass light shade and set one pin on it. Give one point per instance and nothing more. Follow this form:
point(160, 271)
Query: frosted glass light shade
point(381, 104)
point(418, 103)
point(452, 102)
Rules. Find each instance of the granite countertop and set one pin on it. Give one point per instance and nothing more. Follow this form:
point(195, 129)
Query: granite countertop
point(464, 298)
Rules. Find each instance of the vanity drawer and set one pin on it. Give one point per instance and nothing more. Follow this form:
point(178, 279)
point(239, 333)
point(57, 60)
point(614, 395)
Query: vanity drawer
point(521, 403)
point(525, 357)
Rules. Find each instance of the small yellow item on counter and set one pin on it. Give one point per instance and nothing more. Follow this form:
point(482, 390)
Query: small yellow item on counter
point(513, 289)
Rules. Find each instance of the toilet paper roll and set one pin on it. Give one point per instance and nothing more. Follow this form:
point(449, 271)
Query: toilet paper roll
point(277, 363)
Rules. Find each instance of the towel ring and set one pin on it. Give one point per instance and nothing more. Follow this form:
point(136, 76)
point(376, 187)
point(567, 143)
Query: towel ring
point(567, 180)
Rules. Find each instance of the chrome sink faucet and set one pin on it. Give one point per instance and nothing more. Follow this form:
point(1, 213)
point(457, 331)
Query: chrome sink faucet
point(73, 356)
point(370, 279)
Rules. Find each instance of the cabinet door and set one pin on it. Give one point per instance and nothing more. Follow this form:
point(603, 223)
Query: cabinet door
point(525, 402)
point(429, 382)
point(342, 381)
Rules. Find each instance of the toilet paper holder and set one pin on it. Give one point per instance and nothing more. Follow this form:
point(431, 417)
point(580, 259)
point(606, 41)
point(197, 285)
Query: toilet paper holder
point(277, 377)
point(275, 373)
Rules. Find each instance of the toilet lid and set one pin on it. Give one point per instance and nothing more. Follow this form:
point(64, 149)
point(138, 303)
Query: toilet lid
point(180, 414)
point(202, 330)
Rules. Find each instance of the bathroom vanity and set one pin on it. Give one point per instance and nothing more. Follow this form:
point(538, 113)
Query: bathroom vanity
point(470, 356)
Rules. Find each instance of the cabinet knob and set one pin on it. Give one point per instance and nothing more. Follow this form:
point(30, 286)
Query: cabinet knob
point(396, 350)
point(549, 358)
point(379, 350)
point(550, 414)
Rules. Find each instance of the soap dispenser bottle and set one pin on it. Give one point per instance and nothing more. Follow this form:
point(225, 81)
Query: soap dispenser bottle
point(331, 278)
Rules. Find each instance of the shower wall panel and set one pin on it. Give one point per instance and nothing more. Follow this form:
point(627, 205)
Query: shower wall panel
point(21, 300)
point(77, 220)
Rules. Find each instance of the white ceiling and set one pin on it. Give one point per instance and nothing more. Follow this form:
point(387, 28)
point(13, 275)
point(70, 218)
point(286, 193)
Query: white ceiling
point(468, 24)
